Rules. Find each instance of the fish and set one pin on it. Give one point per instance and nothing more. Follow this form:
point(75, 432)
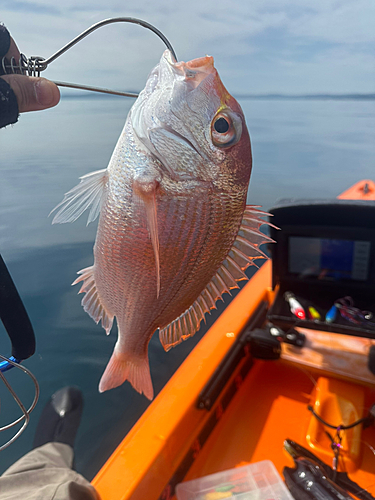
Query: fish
point(174, 231)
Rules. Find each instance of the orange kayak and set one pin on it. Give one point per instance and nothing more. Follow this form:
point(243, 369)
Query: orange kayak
point(243, 390)
point(362, 190)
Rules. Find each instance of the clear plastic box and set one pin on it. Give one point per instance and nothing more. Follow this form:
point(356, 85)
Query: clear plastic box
point(258, 481)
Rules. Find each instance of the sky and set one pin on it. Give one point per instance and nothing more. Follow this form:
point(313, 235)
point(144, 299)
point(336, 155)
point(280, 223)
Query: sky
point(259, 46)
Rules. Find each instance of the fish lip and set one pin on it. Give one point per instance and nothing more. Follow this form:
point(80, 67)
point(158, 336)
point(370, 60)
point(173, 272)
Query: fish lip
point(205, 62)
point(194, 71)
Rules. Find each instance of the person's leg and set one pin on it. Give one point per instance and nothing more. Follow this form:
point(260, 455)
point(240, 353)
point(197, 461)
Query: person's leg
point(46, 472)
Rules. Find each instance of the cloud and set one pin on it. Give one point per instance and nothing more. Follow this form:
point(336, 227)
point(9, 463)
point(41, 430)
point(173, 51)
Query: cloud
point(33, 7)
point(289, 45)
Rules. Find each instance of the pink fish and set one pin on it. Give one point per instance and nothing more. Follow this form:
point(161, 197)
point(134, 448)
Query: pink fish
point(174, 232)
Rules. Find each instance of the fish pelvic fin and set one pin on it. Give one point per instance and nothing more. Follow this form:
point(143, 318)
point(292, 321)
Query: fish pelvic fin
point(88, 193)
point(122, 367)
point(91, 301)
point(145, 191)
point(244, 252)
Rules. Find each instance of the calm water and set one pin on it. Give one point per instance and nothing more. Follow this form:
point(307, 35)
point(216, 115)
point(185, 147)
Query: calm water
point(301, 148)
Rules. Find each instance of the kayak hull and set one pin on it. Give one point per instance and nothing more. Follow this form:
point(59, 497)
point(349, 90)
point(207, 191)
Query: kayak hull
point(261, 404)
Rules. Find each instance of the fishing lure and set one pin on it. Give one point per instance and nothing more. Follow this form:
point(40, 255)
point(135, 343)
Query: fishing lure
point(347, 310)
point(313, 313)
point(331, 314)
point(295, 306)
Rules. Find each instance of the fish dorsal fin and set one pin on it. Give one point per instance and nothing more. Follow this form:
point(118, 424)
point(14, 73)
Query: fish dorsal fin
point(244, 251)
point(88, 193)
point(145, 191)
point(91, 302)
point(245, 248)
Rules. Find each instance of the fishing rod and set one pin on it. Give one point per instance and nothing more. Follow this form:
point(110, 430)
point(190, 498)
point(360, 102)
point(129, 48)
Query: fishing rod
point(34, 65)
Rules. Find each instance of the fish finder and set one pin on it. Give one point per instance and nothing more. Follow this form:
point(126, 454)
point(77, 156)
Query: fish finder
point(324, 252)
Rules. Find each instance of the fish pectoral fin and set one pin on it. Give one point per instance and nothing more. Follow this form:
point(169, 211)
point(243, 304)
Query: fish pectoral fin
point(91, 301)
point(123, 367)
point(242, 255)
point(88, 193)
point(145, 190)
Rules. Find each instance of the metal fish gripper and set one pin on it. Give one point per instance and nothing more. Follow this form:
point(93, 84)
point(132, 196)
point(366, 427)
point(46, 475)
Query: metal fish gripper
point(34, 65)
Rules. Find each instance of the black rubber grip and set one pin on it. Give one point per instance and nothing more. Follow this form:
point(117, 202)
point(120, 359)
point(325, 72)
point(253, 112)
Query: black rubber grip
point(14, 316)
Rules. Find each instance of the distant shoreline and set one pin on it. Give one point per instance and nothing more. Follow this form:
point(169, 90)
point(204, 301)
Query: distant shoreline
point(336, 97)
point(366, 97)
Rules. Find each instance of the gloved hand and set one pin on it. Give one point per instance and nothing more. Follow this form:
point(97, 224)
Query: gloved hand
point(19, 93)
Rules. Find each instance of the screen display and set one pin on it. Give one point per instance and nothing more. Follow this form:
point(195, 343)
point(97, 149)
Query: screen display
point(331, 259)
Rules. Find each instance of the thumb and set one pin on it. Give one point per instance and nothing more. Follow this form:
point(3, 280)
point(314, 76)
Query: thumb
point(33, 93)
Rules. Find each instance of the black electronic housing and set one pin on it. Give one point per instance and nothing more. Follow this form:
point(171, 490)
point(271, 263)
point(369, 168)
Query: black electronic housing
point(263, 345)
point(325, 219)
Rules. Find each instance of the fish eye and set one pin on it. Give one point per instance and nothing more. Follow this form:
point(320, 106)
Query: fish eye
point(221, 125)
point(226, 129)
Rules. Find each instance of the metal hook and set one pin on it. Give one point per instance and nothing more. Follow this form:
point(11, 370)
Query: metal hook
point(33, 65)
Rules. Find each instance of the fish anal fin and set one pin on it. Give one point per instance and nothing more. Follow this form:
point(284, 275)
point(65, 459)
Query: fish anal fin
point(145, 190)
point(186, 325)
point(88, 193)
point(91, 301)
point(122, 367)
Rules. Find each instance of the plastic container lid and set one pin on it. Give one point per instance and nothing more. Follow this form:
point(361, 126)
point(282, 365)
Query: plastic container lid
point(258, 481)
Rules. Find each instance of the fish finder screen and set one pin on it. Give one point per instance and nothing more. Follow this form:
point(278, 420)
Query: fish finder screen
point(329, 258)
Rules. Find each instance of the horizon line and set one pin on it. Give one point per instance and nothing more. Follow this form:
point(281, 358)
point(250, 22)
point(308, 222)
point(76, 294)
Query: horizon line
point(270, 95)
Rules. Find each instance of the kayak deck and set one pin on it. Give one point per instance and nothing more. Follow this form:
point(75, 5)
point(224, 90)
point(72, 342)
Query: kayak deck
point(270, 407)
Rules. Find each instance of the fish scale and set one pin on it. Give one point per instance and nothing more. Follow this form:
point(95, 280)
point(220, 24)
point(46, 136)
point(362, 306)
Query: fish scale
point(174, 232)
point(215, 249)
point(198, 272)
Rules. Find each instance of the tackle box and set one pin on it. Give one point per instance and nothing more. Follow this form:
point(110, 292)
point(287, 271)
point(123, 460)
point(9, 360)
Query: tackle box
point(258, 481)
point(324, 251)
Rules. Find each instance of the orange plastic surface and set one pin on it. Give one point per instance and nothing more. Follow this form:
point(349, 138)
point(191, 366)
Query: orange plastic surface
point(362, 190)
point(272, 406)
point(338, 403)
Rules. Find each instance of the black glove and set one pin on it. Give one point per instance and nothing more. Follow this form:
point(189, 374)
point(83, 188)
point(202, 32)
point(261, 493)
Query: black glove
point(8, 102)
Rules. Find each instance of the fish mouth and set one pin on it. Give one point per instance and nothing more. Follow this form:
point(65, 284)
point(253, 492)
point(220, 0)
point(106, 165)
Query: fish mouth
point(194, 71)
point(201, 64)
point(173, 81)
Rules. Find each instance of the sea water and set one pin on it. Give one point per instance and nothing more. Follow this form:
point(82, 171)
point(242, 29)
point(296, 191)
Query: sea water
point(302, 148)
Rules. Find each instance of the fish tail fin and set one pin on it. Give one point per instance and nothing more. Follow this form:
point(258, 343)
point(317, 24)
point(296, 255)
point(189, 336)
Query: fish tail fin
point(121, 367)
